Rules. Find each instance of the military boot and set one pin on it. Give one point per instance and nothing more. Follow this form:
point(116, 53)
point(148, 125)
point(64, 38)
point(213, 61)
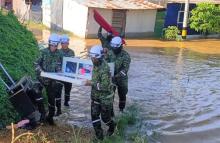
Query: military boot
point(111, 129)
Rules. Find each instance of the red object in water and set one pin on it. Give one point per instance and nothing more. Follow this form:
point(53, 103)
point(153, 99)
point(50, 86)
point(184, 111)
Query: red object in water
point(102, 22)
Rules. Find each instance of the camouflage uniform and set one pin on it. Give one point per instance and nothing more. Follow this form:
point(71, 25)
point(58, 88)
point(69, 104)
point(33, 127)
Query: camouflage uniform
point(50, 62)
point(102, 98)
point(122, 63)
point(35, 94)
point(67, 86)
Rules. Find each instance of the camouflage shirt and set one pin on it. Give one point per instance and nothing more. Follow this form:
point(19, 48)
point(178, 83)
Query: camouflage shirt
point(122, 62)
point(101, 81)
point(49, 61)
point(67, 52)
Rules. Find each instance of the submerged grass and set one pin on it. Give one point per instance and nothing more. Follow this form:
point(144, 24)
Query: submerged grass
point(124, 121)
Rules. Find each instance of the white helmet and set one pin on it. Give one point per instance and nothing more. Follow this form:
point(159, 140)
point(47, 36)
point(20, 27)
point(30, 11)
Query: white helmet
point(96, 51)
point(54, 39)
point(64, 39)
point(116, 42)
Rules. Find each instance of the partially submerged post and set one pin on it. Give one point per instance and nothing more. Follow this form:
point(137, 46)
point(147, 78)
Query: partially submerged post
point(185, 20)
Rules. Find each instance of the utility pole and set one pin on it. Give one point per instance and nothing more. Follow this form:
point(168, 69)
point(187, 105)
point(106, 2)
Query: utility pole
point(185, 19)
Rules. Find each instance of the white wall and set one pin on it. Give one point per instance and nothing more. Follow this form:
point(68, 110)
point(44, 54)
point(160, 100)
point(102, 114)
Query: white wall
point(93, 26)
point(22, 11)
point(75, 17)
point(140, 21)
point(46, 12)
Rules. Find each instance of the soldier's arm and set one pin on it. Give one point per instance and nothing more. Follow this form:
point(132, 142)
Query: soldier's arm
point(101, 37)
point(73, 53)
point(59, 63)
point(125, 67)
point(38, 63)
point(100, 32)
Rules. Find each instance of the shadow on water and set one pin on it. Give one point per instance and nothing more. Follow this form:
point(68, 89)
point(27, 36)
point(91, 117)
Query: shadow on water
point(176, 88)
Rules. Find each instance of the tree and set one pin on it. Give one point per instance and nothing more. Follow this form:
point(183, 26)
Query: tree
point(205, 18)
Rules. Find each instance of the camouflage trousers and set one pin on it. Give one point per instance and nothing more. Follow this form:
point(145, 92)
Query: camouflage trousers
point(101, 107)
point(122, 92)
point(35, 94)
point(54, 91)
point(67, 89)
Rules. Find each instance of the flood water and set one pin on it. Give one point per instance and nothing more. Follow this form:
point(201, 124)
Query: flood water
point(177, 90)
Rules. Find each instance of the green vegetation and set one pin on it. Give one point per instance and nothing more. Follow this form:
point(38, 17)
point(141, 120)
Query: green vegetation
point(129, 118)
point(206, 18)
point(18, 50)
point(171, 33)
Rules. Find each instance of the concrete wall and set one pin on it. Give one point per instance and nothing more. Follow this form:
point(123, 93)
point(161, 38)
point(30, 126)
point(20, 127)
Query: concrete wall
point(46, 4)
point(75, 18)
point(140, 23)
point(22, 11)
point(56, 15)
point(93, 26)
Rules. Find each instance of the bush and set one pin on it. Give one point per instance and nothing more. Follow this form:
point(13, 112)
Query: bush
point(18, 50)
point(205, 18)
point(171, 33)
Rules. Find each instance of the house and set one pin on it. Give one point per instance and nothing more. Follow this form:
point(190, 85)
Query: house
point(135, 18)
point(175, 13)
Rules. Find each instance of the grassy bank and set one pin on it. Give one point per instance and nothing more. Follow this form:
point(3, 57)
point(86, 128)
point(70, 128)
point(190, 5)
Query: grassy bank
point(18, 50)
point(47, 134)
point(65, 133)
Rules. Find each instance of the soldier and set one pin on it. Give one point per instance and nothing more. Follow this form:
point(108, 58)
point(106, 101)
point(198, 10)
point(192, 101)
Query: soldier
point(101, 94)
point(35, 94)
point(50, 61)
point(122, 62)
point(66, 52)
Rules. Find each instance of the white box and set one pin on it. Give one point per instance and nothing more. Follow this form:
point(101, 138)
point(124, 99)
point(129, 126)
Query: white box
point(62, 77)
point(75, 70)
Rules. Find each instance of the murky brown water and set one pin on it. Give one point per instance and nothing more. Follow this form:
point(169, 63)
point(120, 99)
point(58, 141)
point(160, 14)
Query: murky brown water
point(177, 89)
point(178, 92)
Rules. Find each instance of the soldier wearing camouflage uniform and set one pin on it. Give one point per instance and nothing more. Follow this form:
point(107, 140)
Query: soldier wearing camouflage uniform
point(50, 61)
point(66, 52)
point(122, 62)
point(101, 94)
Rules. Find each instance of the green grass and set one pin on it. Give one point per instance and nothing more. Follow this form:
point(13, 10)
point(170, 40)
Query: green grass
point(18, 50)
point(124, 121)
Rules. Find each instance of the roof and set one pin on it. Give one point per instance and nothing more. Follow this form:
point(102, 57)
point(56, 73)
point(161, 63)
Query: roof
point(196, 1)
point(119, 4)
